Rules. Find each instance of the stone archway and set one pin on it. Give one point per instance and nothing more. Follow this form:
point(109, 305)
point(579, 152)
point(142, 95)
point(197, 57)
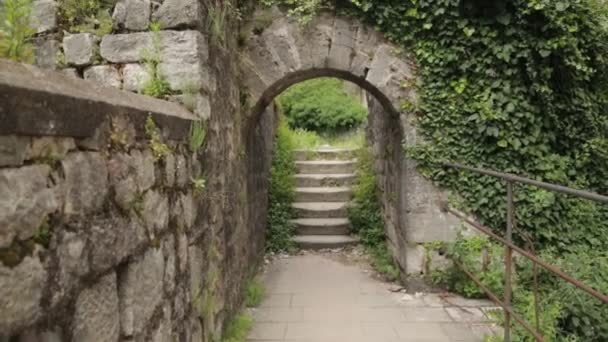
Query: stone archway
point(279, 53)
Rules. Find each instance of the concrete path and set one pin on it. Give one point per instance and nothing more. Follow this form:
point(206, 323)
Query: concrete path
point(314, 298)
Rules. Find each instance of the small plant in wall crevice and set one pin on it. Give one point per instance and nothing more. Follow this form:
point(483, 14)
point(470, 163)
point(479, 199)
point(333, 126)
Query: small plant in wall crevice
point(159, 149)
point(156, 85)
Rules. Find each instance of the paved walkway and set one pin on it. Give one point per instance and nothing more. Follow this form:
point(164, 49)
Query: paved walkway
point(313, 298)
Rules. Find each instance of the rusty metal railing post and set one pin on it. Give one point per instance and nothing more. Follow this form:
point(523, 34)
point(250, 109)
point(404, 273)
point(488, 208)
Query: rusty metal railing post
point(509, 260)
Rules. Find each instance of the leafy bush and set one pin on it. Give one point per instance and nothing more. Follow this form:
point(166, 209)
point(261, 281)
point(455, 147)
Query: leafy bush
point(91, 16)
point(280, 229)
point(321, 105)
point(15, 31)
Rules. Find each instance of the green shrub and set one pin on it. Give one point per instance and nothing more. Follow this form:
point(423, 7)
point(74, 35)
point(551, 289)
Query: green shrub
point(366, 220)
point(15, 31)
point(280, 230)
point(237, 328)
point(321, 105)
point(92, 16)
point(254, 293)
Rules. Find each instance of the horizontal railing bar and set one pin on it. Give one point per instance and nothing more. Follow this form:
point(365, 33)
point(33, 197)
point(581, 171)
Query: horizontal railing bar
point(496, 300)
point(514, 178)
point(602, 297)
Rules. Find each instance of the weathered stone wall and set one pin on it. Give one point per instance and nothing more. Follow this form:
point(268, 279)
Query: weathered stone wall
point(228, 242)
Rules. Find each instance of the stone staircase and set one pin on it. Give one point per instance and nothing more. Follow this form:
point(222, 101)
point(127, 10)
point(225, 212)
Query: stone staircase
point(323, 190)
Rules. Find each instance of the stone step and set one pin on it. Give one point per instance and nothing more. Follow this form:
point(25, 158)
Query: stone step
point(322, 226)
point(320, 209)
point(316, 242)
point(317, 180)
point(333, 194)
point(326, 154)
point(325, 166)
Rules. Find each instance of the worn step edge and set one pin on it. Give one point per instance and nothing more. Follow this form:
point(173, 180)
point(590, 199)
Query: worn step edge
point(317, 242)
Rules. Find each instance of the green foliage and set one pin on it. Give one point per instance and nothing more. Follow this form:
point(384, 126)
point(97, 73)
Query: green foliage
point(237, 328)
point(309, 140)
point(198, 133)
point(321, 105)
point(159, 149)
point(43, 235)
point(92, 16)
point(198, 185)
point(218, 14)
point(15, 31)
point(303, 10)
point(478, 255)
point(566, 313)
point(155, 85)
point(254, 293)
point(280, 230)
point(365, 216)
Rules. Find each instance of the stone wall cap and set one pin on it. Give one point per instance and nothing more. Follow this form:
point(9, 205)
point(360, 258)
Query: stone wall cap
point(28, 93)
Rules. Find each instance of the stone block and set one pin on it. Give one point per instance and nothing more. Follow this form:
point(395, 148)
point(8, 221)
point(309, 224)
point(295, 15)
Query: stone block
point(174, 14)
point(342, 45)
point(111, 241)
point(72, 264)
point(44, 15)
point(181, 166)
point(125, 48)
point(106, 75)
point(140, 291)
point(155, 212)
point(79, 48)
point(96, 316)
point(133, 15)
point(183, 60)
point(13, 150)
point(134, 77)
point(51, 335)
point(195, 254)
point(184, 211)
point(25, 202)
point(168, 247)
point(45, 54)
point(164, 331)
point(86, 183)
point(53, 148)
point(197, 103)
point(20, 294)
point(169, 170)
point(70, 72)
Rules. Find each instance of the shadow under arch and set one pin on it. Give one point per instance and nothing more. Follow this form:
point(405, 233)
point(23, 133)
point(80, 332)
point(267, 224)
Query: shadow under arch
point(293, 78)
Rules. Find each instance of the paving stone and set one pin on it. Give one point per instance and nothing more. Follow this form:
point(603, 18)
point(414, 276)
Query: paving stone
point(315, 298)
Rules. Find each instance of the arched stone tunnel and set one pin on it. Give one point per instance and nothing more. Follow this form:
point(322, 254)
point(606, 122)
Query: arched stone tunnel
point(285, 53)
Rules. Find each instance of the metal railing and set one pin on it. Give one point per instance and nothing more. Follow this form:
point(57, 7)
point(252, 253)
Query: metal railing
point(530, 254)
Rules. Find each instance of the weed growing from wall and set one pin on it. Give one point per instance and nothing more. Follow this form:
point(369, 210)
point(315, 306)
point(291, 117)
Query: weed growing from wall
point(159, 149)
point(254, 293)
point(366, 220)
point(280, 230)
point(198, 134)
point(15, 31)
point(237, 328)
point(218, 14)
point(155, 85)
